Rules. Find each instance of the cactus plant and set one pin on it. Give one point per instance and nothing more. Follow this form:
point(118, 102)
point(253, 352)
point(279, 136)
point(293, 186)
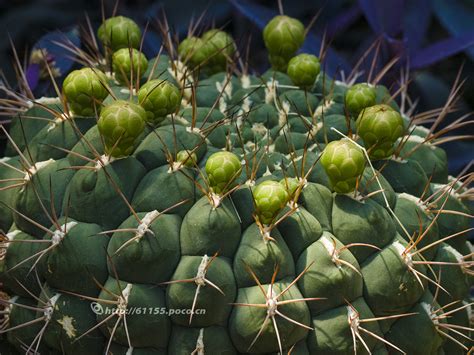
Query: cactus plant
point(187, 209)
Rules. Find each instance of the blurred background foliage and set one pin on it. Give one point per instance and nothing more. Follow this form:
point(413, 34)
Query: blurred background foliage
point(433, 37)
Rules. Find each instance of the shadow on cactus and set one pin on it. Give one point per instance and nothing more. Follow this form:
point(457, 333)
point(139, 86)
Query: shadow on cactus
point(182, 204)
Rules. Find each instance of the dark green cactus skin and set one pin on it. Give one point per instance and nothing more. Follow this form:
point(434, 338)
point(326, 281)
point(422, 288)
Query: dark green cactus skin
point(231, 194)
point(119, 32)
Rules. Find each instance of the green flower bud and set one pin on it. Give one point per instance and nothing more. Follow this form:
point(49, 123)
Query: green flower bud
point(121, 123)
point(85, 89)
point(303, 70)
point(221, 48)
point(119, 32)
point(290, 184)
point(222, 169)
point(344, 163)
point(270, 197)
point(283, 36)
point(359, 97)
point(193, 51)
point(187, 158)
point(128, 64)
point(379, 127)
point(159, 98)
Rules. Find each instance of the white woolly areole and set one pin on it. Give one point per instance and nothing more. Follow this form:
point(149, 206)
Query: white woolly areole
point(126, 291)
point(129, 351)
point(200, 342)
point(331, 249)
point(406, 257)
point(60, 233)
point(270, 90)
point(194, 130)
point(5, 244)
point(201, 272)
point(227, 89)
point(244, 108)
point(37, 167)
point(103, 161)
point(413, 199)
point(416, 139)
point(144, 227)
point(398, 159)
point(48, 311)
point(127, 91)
point(250, 183)
point(12, 301)
point(323, 108)
point(316, 127)
point(245, 81)
point(267, 172)
point(459, 257)
point(259, 128)
point(283, 114)
point(5, 159)
point(353, 319)
point(271, 302)
point(179, 118)
point(428, 309)
point(342, 83)
point(58, 120)
point(47, 100)
point(11, 235)
point(445, 187)
point(67, 324)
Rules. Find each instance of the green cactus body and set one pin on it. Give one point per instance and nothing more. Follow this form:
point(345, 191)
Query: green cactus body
point(198, 209)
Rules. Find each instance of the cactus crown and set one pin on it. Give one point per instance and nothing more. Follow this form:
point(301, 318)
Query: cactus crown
point(182, 205)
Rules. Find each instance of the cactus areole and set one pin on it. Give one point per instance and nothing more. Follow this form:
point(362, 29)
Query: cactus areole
point(178, 205)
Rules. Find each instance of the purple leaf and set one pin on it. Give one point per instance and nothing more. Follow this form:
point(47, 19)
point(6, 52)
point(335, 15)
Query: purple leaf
point(32, 74)
point(383, 16)
point(343, 20)
point(455, 16)
point(415, 23)
point(61, 57)
point(442, 50)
